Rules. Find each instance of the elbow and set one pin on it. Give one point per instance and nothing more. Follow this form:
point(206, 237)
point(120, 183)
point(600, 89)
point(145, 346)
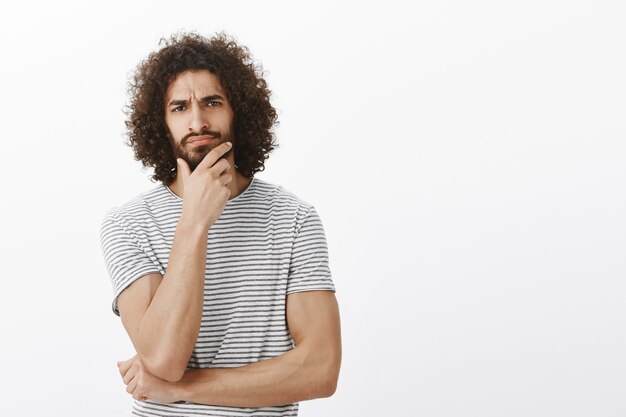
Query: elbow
point(329, 384)
point(329, 389)
point(329, 376)
point(166, 369)
point(171, 375)
point(321, 365)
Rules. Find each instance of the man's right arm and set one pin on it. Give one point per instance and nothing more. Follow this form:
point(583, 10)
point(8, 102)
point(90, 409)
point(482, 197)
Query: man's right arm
point(162, 315)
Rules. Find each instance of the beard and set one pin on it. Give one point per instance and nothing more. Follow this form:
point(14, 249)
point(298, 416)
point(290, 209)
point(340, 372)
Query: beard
point(193, 155)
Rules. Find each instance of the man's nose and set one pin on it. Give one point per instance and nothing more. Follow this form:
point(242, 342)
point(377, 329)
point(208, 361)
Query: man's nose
point(198, 121)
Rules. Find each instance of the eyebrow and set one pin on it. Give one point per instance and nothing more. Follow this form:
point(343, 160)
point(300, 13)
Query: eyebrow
point(203, 99)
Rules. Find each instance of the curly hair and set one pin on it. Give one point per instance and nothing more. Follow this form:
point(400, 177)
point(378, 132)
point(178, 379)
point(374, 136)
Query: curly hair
point(246, 90)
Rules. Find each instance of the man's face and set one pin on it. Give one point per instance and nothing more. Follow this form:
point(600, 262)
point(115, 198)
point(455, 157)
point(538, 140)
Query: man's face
point(198, 115)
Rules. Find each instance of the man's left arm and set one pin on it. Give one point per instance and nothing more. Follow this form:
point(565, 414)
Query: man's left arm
point(310, 370)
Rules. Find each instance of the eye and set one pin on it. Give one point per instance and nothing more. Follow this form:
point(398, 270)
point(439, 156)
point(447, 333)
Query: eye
point(178, 108)
point(213, 103)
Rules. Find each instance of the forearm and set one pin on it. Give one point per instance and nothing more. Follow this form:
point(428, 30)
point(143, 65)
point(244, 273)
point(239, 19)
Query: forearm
point(291, 377)
point(169, 328)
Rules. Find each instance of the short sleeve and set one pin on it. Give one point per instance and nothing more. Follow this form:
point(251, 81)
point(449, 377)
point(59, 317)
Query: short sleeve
point(125, 258)
point(309, 269)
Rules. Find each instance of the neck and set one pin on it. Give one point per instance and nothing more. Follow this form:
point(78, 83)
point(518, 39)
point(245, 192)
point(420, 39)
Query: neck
point(237, 186)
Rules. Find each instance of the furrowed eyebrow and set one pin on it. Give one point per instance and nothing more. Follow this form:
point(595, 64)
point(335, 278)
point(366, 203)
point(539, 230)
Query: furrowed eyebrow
point(211, 98)
point(203, 99)
point(177, 103)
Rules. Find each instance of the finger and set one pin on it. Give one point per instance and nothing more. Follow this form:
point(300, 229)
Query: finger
point(124, 366)
point(129, 375)
point(138, 392)
point(130, 388)
point(214, 155)
point(225, 179)
point(139, 397)
point(220, 167)
point(183, 169)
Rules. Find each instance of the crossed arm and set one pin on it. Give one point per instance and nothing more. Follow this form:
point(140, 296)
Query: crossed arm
point(308, 371)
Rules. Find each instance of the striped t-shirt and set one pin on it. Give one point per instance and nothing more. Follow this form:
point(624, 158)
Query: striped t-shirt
point(266, 244)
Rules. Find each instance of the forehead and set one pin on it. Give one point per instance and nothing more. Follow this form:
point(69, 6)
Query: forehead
point(198, 83)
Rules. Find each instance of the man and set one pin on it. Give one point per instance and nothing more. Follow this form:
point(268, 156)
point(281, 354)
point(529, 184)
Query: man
point(221, 279)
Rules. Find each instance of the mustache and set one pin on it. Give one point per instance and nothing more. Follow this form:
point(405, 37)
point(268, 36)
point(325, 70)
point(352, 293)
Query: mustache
point(215, 134)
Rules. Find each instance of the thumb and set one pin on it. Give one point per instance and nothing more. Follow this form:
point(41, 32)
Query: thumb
point(183, 169)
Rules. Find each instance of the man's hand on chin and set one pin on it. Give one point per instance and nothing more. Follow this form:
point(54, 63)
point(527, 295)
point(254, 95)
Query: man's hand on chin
point(142, 385)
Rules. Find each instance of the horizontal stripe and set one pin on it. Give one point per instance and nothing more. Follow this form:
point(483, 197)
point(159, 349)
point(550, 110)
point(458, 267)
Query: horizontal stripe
point(266, 244)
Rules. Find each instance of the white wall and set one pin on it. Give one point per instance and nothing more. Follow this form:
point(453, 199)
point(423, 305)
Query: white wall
point(467, 160)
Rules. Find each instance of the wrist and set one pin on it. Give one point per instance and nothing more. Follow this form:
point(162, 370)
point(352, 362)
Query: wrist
point(194, 385)
point(180, 390)
point(188, 224)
